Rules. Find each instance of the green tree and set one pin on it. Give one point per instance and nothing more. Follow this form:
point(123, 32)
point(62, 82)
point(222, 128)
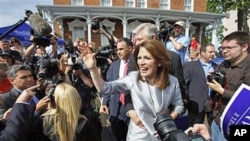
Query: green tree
point(223, 6)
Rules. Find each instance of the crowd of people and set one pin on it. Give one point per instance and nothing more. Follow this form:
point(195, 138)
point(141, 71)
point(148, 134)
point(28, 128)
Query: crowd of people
point(75, 93)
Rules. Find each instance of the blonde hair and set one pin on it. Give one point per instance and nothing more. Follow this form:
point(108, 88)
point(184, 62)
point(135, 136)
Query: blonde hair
point(66, 112)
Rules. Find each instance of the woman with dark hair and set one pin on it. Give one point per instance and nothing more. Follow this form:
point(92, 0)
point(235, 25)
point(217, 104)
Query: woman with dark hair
point(16, 45)
point(152, 88)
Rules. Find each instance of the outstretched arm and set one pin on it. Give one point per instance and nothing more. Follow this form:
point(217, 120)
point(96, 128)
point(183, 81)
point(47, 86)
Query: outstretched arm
point(18, 122)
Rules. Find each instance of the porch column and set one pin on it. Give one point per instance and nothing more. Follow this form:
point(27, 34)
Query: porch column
point(201, 32)
point(89, 27)
point(187, 27)
point(124, 23)
point(214, 35)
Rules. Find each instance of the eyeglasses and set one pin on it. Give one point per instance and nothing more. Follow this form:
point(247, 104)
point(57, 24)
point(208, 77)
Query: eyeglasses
point(227, 48)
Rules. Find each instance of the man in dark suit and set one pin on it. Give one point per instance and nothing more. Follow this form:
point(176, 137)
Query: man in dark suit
point(195, 74)
point(148, 31)
point(18, 122)
point(114, 104)
point(21, 79)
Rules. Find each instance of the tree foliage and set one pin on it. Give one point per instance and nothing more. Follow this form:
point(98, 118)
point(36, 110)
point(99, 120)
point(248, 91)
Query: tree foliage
point(223, 6)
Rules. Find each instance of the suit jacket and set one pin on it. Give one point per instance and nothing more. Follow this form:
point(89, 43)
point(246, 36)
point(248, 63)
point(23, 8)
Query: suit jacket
point(177, 71)
point(18, 123)
point(9, 99)
point(196, 81)
point(112, 101)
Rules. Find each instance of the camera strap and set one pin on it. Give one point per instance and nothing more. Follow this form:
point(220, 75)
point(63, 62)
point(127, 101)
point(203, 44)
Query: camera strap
point(74, 79)
point(218, 100)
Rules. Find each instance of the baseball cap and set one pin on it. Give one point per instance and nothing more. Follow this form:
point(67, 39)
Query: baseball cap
point(180, 23)
point(4, 53)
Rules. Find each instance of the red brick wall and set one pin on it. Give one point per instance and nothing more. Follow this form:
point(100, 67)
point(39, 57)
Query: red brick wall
point(177, 4)
point(118, 2)
point(91, 2)
point(153, 3)
point(118, 32)
point(200, 5)
point(62, 2)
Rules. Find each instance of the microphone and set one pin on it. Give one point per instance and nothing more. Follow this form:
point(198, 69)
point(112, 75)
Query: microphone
point(38, 24)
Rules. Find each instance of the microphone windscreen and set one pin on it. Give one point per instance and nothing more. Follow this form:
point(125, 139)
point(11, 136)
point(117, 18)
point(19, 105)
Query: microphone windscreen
point(38, 24)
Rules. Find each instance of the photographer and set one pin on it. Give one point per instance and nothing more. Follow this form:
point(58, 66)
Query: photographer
point(35, 53)
point(107, 54)
point(177, 41)
point(235, 48)
point(54, 50)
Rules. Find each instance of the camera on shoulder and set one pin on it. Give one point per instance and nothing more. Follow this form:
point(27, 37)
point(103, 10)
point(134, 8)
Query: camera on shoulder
point(165, 31)
point(40, 40)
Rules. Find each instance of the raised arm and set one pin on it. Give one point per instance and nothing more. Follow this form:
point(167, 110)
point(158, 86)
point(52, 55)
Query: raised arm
point(28, 52)
point(90, 62)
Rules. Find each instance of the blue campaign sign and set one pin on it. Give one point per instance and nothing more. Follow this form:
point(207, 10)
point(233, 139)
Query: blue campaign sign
point(237, 111)
point(23, 34)
point(218, 60)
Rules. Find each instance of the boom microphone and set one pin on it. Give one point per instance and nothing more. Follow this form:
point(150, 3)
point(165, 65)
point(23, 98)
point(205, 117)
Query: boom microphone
point(38, 24)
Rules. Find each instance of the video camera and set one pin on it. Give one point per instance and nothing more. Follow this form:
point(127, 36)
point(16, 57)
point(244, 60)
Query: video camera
point(215, 97)
point(103, 53)
point(95, 25)
point(165, 31)
point(167, 130)
point(40, 40)
point(47, 68)
point(218, 76)
point(106, 51)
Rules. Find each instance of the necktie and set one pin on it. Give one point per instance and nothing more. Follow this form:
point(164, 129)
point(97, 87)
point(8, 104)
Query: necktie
point(122, 97)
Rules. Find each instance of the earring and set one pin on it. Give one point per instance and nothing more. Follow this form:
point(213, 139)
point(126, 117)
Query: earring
point(159, 65)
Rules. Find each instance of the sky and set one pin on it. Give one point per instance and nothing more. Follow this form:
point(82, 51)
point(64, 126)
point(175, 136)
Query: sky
point(11, 11)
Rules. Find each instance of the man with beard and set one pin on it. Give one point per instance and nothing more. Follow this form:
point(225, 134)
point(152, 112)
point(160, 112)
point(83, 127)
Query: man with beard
point(178, 42)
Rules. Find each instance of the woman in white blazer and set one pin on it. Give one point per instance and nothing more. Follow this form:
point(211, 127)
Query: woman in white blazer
point(152, 88)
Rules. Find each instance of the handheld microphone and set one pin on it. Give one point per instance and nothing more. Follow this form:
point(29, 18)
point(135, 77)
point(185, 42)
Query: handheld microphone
point(38, 24)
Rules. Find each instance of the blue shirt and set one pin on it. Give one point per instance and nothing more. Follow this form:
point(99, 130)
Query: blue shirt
point(207, 68)
point(184, 40)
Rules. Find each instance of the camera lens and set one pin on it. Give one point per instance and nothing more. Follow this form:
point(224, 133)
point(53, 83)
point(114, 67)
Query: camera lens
point(164, 125)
